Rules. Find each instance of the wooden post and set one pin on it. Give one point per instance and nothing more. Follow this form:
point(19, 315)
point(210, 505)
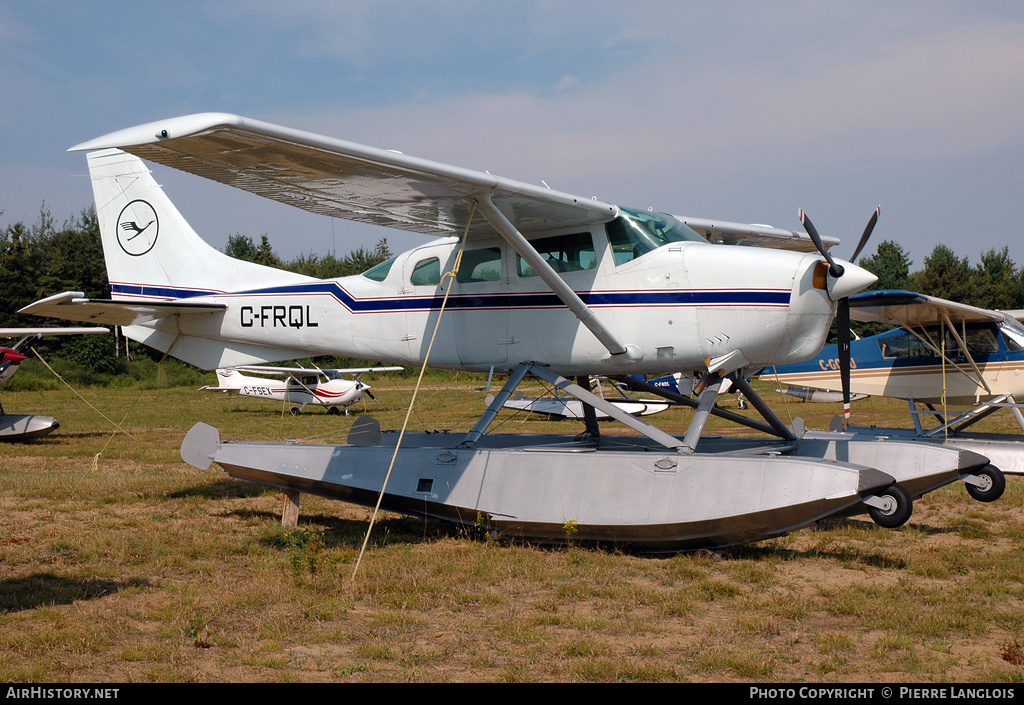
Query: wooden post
point(290, 513)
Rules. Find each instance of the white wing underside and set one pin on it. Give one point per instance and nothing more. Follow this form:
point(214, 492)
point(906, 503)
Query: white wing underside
point(913, 309)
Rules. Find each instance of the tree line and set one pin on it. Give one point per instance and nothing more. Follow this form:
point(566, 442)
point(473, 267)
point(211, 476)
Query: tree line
point(995, 282)
point(43, 258)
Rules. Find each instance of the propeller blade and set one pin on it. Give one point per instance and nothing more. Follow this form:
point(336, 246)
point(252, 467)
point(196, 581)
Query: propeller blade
point(833, 268)
point(867, 233)
point(843, 340)
point(370, 394)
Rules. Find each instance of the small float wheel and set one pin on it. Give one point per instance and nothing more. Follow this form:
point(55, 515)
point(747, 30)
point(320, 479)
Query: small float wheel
point(897, 510)
point(993, 483)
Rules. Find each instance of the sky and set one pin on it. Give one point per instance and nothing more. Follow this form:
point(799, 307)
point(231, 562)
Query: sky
point(739, 111)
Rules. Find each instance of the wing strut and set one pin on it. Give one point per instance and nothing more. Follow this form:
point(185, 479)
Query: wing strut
point(628, 354)
point(967, 353)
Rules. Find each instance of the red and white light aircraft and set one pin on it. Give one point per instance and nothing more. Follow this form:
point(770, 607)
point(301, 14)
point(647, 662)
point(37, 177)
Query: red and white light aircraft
point(21, 427)
point(301, 385)
point(529, 281)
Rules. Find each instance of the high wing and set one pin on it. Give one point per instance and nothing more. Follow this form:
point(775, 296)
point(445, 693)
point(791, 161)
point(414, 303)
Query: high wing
point(73, 306)
point(726, 233)
point(909, 308)
point(346, 180)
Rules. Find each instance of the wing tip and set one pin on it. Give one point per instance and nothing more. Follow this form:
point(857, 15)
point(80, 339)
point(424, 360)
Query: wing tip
point(160, 130)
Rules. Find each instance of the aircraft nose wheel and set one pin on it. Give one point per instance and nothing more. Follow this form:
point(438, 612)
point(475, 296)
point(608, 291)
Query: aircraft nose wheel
point(986, 484)
point(892, 507)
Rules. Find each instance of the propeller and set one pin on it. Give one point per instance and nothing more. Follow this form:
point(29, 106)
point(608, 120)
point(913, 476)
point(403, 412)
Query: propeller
point(365, 388)
point(843, 304)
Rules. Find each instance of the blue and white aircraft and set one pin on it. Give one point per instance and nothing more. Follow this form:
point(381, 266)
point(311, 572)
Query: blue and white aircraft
point(939, 354)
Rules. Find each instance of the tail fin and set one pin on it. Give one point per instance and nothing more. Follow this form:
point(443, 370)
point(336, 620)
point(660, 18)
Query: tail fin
point(150, 250)
point(229, 380)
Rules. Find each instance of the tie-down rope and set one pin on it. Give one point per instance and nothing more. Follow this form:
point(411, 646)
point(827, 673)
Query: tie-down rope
point(444, 302)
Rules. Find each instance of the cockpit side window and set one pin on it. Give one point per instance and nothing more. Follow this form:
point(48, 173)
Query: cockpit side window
point(483, 265)
point(979, 338)
point(565, 253)
point(635, 233)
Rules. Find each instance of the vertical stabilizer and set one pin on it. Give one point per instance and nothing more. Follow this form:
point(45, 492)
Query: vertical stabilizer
point(150, 250)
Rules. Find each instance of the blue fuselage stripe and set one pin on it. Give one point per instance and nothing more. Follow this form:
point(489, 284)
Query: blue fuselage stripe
point(715, 297)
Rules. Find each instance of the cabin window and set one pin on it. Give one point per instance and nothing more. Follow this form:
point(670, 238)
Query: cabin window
point(482, 265)
point(380, 272)
point(635, 233)
point(1014, 340)
point(426, 273)
point(565, 253)
point(904, 346)
point(980, 340)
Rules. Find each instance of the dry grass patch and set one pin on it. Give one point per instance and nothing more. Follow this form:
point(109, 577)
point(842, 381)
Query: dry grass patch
point(132, 566)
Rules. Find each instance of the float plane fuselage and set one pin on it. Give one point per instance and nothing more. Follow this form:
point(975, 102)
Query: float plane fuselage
point(521, 280)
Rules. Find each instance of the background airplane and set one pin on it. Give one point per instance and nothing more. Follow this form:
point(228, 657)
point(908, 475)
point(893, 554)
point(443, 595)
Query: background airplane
point(940, 354)
point(301, 385)
point(21, 427)
point(567, 406)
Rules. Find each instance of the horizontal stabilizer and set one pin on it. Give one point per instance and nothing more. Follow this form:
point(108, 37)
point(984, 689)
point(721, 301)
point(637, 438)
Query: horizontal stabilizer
point(73, 306)
point(19, 332)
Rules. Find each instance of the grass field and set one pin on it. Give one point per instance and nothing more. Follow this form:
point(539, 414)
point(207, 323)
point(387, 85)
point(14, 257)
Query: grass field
point(120, 563)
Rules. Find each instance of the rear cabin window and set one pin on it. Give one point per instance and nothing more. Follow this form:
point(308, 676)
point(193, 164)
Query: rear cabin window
point(426, 273)
point(565, 253)
point(482, 265)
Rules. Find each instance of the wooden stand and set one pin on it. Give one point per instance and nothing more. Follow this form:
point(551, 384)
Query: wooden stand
point(290, 512)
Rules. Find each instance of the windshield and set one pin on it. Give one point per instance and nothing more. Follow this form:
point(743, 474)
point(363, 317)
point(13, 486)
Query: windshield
point(635, 233)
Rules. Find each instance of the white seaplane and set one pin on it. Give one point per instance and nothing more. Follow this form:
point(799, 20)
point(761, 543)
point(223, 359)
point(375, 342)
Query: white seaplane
point(26, 427)
point(522, 280)
point(961, 363)
point(300, 385)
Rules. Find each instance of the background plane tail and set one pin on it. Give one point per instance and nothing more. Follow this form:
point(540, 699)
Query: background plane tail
point(150, 250)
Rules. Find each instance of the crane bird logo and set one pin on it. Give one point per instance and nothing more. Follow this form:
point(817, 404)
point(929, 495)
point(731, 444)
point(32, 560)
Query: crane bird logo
point(137, 228)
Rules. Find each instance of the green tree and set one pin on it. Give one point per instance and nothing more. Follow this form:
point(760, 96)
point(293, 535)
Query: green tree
point(265, 254)
point(945, 275)
point(241, 247)
point(997, 283)
point(74, 260)
point(890, 264)
point(17, 272)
